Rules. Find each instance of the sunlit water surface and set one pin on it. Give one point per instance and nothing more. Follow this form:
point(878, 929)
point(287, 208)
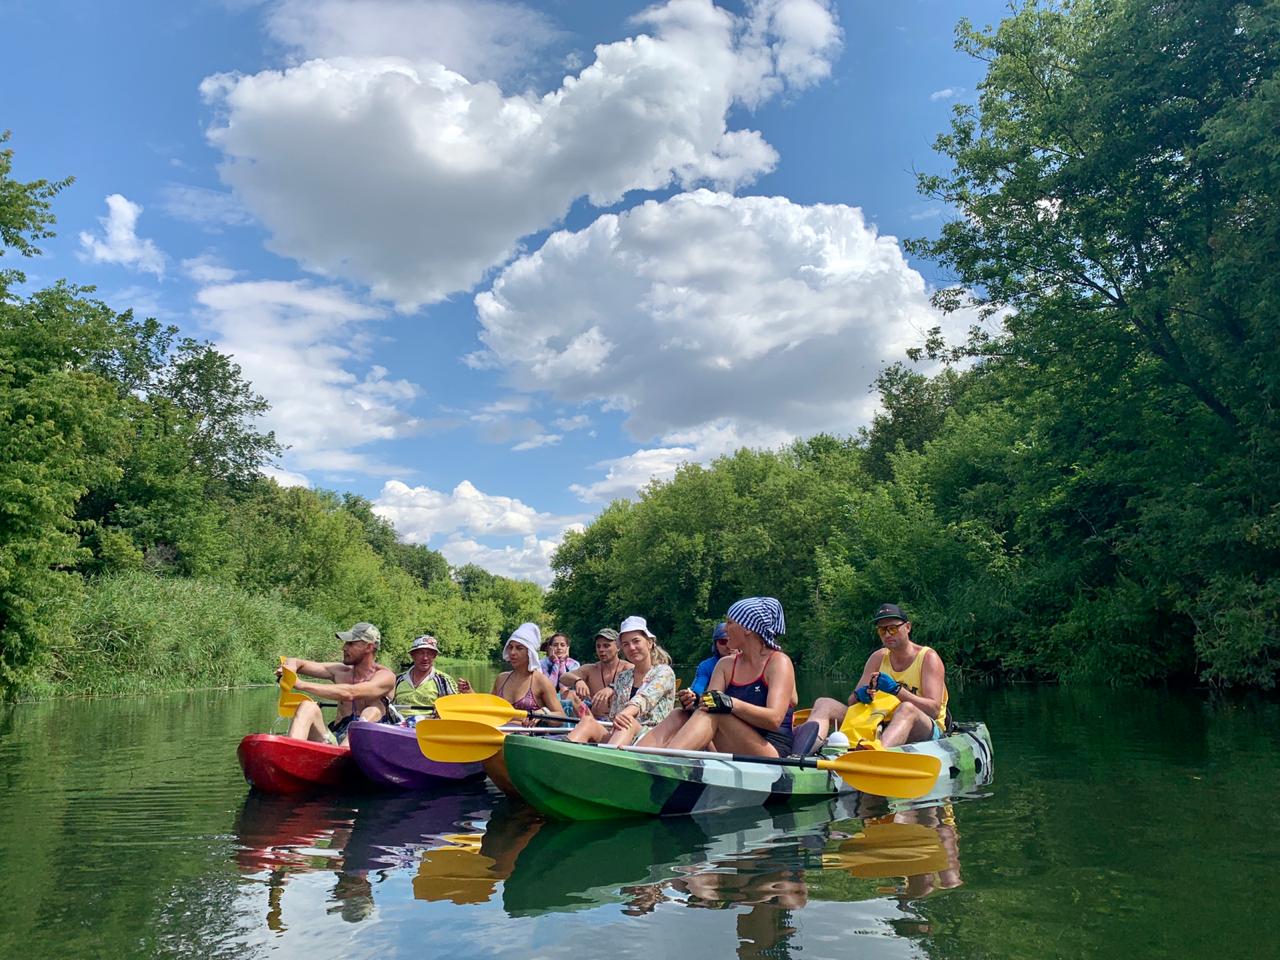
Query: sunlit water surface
point(1131, 824)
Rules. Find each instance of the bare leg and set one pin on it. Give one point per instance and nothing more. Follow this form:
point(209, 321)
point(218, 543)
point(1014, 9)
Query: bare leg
point(828, 714)
point(662, 734)
point(628, 735)
point(909, 725)
point(308, 723)
point(734, 736)
point(697, 731)
point(372, 714)
point(588, 730)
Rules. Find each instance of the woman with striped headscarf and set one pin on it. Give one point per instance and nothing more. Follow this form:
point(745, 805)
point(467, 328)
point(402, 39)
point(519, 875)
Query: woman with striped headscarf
point(752, 694)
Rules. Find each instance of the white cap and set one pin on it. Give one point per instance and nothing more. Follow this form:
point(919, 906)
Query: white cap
point(636, 623)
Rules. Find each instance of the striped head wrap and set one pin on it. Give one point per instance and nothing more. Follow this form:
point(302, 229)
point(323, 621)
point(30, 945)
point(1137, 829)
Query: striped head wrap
point(760, 615)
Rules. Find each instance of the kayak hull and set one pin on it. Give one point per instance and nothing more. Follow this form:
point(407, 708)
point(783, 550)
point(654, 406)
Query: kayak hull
point(283, 765)
point(390, 757)
point(576, 782)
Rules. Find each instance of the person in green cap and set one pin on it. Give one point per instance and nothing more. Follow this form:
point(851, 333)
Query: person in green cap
point(594, 681)
point(361, 686)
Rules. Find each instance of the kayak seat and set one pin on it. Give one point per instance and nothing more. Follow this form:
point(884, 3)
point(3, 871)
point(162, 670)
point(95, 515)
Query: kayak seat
point(804, 739)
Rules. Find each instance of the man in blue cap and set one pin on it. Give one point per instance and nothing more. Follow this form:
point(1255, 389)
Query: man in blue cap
point(911, 672)
point(719, 648)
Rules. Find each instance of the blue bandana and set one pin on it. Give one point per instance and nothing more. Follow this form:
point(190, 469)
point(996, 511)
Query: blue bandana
point(760, 615)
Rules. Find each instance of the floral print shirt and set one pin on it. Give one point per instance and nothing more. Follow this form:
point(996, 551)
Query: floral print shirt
point(655, 698)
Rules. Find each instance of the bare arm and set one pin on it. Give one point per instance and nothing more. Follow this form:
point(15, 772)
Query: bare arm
point(933, 680)
point(780, 675)
point(499, 682)
point(545, 692)
point(379, 685)
point(310, 668)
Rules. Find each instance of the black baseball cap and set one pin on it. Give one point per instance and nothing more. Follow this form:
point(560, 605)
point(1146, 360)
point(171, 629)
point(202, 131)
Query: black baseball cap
point(890, 611)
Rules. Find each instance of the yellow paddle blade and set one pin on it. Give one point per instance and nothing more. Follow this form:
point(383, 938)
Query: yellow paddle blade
point(800, 716)
point(467, 841)
point(457, 741)
point(289, 701)
point(886, 773)
point(862, 721)
point(455, 874)
point(890, 850)
point(483, 708)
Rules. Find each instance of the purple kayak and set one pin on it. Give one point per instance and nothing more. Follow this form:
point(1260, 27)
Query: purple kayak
point(390, 757)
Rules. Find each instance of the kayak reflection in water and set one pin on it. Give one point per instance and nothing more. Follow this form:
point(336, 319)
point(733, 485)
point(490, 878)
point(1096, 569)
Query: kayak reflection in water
point(524, 686)
point(361, 687)
point(644, 691)
point(749, 702)
point(911, 672)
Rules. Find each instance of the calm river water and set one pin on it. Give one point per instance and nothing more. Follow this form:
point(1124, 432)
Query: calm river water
point(1132, 824)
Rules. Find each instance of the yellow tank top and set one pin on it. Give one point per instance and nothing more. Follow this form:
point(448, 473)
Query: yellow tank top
point(912, 680)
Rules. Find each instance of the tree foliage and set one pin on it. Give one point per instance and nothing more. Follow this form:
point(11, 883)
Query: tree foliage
point(1096, 495)
point(126, 451)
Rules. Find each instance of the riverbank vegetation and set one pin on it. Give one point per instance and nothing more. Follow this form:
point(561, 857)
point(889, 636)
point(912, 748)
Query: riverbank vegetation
point(1089, 487)
point(140, 544)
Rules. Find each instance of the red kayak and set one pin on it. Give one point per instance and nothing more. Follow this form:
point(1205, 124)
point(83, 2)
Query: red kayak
point(275, 764)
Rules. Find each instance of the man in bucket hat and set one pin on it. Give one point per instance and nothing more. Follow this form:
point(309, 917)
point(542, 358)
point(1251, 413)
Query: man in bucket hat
point(361, 686)
point(418, 688)
point(911, 672)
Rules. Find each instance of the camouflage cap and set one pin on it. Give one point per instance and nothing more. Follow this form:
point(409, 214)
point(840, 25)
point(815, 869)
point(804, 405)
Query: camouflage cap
point(365, 632)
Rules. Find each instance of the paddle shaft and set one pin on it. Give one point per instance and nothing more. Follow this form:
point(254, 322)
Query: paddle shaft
point(710, 755)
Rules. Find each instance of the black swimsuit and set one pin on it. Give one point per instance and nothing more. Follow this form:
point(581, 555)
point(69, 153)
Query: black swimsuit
point(756, 692)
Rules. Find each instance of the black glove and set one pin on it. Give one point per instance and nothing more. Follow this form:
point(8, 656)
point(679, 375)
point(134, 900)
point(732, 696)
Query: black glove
point(717, 701)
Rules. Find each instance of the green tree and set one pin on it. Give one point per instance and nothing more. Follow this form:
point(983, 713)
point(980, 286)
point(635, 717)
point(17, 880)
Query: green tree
point(1116, 189)
point(58, 431)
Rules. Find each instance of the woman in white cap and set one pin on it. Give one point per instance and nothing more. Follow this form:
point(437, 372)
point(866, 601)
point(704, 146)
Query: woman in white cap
point(751, 697)
point(524, 686)
point(644, 691)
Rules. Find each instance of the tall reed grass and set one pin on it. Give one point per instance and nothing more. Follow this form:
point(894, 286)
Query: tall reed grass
point(133, 632)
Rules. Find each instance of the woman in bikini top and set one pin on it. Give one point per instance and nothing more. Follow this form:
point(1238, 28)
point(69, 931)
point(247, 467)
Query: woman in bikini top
point(535, 691)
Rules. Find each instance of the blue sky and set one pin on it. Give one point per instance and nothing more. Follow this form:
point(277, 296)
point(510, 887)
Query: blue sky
point(495, 264)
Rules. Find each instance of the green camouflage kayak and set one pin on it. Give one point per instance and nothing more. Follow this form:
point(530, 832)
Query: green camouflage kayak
point(573, 781)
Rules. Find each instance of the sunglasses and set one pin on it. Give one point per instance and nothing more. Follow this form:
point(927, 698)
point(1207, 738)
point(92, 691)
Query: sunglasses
point(889, 627)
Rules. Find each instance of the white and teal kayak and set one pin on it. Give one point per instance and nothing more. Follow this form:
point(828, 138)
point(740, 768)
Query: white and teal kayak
point(572, 781)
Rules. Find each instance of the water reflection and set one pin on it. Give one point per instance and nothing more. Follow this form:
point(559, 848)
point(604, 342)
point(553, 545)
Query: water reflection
point(471, 848)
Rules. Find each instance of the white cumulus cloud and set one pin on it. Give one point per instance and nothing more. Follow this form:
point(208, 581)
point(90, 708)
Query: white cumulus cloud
point(531, 560)
point(706, 308)
point(305, 349)
point(626, 475)
point(404, 175)
point(420, 513)
point(480, 39)
point(119, 242)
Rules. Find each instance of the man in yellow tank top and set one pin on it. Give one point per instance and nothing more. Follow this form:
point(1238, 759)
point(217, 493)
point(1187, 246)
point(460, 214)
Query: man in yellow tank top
point(911, 672)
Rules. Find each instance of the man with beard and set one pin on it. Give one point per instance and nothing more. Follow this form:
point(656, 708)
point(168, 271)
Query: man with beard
point(361, 687)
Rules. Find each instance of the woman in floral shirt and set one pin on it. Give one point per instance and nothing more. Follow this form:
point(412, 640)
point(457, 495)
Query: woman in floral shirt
point(643, 693)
